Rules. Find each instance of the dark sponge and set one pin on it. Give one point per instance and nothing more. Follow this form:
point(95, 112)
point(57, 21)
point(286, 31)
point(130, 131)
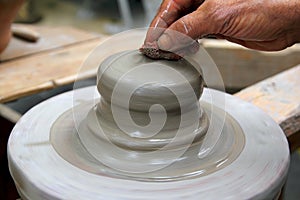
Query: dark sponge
point(152, 50)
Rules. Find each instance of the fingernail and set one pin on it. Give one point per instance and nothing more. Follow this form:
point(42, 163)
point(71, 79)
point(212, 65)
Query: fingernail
point(164, 42)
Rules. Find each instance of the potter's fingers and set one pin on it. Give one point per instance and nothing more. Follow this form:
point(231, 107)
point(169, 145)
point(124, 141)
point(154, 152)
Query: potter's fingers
point(169, 11)
point(185, 30)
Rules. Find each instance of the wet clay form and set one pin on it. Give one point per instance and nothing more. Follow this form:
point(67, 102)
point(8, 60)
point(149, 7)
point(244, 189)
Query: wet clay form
point(147, 130)
point(157, 90)
point(144, 83)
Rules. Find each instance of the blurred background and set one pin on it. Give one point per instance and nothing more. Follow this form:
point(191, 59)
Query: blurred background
point(102, 16)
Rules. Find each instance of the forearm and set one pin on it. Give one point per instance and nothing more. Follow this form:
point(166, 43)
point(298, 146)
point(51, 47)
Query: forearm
point(8, 10)
point(287, 12)
point(296, 22)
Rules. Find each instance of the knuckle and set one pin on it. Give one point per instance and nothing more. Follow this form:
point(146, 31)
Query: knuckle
point(219, 15)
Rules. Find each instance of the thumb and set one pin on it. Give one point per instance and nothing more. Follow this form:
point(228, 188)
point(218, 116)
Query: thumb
point(186, 30)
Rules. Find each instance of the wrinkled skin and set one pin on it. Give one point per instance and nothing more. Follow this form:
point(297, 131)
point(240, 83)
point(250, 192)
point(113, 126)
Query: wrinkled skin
point(267, 25)
point(8, 10)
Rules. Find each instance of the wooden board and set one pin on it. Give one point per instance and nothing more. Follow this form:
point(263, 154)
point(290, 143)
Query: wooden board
point(241, 67)
point(279, 96)
point(44, 71)
point(50, 38)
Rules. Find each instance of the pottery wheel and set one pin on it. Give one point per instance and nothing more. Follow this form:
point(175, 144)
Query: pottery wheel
point(140, 139)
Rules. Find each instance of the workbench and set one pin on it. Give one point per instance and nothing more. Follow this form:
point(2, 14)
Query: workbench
point(54, 61)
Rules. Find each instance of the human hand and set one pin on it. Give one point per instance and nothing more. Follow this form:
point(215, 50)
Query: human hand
point(257, 24)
